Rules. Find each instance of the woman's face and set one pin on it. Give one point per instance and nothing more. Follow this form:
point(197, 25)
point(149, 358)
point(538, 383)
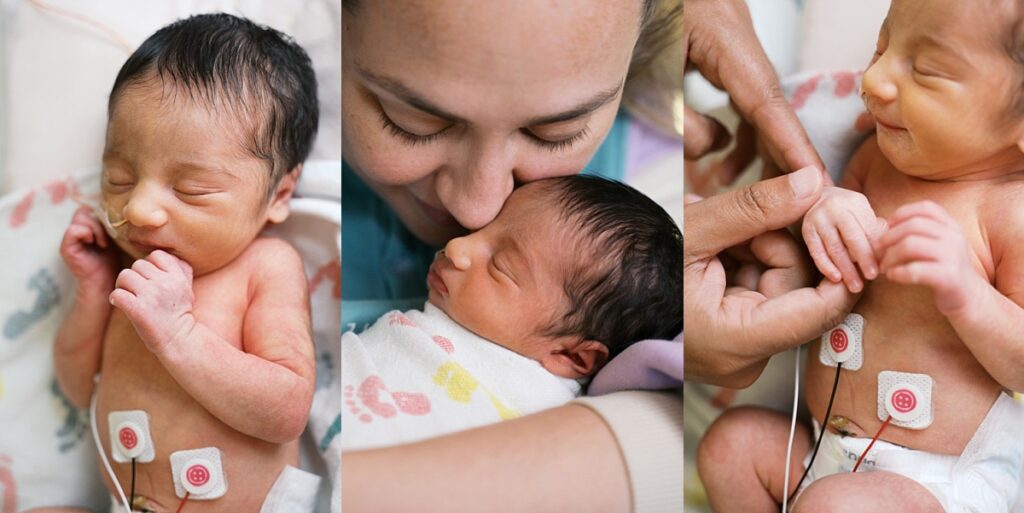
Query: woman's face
point(448, 105)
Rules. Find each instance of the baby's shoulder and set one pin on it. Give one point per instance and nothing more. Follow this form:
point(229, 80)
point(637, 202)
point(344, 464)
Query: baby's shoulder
point(270, 254)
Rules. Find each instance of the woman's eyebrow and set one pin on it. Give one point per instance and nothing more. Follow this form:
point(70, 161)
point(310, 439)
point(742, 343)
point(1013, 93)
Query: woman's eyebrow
point(407, 95)
point(586, 107)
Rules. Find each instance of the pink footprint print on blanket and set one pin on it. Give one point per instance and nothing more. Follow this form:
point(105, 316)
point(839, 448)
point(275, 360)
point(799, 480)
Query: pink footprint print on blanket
point(376, 398)
point(20, 214)
point(444, 343)
point(401, 319)
point(8, 487)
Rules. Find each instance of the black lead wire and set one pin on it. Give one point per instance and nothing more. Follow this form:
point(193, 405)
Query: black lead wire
point(131, 497)
point(828, 411)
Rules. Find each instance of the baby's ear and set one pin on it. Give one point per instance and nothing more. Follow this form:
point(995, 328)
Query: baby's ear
point(279, 207)
point(576, 360)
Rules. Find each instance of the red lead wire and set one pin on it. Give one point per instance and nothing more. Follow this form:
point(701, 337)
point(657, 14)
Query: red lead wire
point(182, 505)
point(865, 453)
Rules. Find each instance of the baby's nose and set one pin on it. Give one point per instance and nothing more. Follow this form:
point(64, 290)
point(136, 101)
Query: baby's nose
point(458, 250)
point(877, 84)
point(144, 210)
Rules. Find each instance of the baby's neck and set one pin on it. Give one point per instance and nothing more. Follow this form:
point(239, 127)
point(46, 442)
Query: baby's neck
point(1004, 166)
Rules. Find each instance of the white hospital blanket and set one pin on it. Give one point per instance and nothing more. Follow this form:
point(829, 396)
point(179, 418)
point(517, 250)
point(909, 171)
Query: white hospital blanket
point(417, 375)
point(46, 452)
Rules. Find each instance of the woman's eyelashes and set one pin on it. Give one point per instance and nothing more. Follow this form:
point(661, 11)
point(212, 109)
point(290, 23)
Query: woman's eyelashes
point(406, 135)
point(417, 139)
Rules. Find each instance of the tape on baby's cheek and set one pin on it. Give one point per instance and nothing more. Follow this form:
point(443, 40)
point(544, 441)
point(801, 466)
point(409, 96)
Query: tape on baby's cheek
point(109, 226)
point(200, 473)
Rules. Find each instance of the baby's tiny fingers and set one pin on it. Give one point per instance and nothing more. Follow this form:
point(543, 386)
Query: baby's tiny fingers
point(820, 256)
point(129, 280)
point(839, 255)
point(857, 244)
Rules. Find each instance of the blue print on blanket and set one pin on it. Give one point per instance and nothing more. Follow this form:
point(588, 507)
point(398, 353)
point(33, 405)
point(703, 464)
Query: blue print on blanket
point(47, 296)
point(324, 368)
point(76, 422)
point(332, 432)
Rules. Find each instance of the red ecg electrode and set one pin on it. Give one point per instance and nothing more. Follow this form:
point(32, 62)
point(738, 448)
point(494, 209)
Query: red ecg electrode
point(904, 400)
point(128, 438)
point(838, 340)
point(197, 475)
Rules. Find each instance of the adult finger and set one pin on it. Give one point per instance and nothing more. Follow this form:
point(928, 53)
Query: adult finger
point(702, 134)
point(798, 316)
point(726, 51)
point(740, 157)
point(725, 220)
point(787, 266)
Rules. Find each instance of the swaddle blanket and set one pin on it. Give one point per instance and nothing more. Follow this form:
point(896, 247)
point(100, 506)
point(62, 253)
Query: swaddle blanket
point(417, 375)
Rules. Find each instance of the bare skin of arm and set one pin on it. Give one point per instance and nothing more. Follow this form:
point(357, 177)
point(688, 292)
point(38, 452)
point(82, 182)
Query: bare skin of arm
point(262, 389)
point(530, 463)
point(78, 347)
point(79, 344)
point(926, 247)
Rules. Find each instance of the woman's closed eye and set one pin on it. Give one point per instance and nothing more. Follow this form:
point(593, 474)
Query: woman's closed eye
point(557, 144)
point(406, 135)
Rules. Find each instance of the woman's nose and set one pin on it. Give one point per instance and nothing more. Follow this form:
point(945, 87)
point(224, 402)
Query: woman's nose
point(475, 191)
point(460, 251)
point(878, 83)
point(144, 209)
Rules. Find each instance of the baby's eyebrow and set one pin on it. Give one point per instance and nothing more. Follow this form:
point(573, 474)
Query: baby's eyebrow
point(927, 40)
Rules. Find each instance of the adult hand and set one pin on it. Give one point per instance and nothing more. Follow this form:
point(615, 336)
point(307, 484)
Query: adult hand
point(721, 44)
point(731, 330)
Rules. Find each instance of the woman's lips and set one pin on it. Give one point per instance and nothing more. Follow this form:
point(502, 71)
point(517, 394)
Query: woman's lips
point(435, 281)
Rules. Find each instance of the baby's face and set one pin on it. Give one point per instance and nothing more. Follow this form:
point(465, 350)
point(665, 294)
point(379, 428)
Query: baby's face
point(942, 88)
point(505, 281)
point(177, 177)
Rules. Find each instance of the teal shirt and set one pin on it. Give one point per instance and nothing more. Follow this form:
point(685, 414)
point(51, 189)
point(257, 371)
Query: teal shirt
point(384, 266)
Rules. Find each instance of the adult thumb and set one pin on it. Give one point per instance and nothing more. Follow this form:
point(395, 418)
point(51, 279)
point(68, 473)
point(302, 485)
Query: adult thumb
point(725, 220)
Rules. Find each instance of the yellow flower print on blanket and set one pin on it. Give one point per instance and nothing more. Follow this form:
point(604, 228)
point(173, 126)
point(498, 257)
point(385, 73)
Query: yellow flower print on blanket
point(460, 386)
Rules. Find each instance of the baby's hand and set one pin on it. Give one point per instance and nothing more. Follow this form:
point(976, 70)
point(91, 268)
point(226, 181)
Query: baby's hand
point(156, 295)
point(840, 229)
point(88, 254)
point(926, 246)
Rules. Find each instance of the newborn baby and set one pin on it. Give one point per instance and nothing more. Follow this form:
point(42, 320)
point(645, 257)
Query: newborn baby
point(198, 327)
point(571, 272)
point(929, 211)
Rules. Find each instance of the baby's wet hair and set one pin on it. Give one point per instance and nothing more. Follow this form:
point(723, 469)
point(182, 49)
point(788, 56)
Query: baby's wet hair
point(631, 288)
point(259, 74)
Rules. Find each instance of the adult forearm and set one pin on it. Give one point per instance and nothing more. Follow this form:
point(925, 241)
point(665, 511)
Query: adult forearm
point(991, 326)
point(78, 347)
point(264, 399)
point(563, 459)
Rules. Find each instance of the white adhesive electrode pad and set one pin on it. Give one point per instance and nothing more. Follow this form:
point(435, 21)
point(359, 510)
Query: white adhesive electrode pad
point(844, 344)
point(906, 397)
point(129, 436)
point(198, 472)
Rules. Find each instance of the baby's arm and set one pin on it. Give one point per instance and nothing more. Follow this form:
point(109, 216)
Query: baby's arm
point(79, 344)
point(926, 246)
point(263, 390)
point(842, 229)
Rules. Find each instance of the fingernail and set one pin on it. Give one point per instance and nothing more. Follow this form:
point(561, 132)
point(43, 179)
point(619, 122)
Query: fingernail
point(805, 181)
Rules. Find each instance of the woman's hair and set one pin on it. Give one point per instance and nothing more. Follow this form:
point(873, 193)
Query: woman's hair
point(654, 86)
point(628, 283)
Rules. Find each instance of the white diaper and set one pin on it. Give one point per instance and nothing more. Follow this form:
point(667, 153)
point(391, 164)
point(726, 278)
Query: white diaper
point(293, 492)
point(984, 479)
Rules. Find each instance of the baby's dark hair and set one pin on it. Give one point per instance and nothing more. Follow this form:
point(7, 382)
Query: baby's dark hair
point(634, 290)
point(261, 74)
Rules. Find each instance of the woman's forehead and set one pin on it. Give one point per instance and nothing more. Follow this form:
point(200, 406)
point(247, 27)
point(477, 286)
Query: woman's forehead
point(479, 53)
